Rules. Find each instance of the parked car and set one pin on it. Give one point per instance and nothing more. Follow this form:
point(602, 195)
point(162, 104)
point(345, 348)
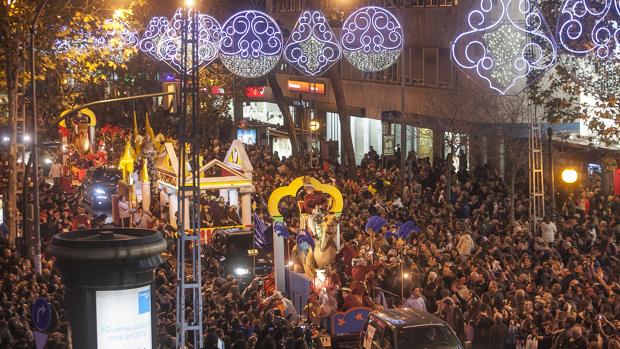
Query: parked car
point(407, 329)
point(99, 184)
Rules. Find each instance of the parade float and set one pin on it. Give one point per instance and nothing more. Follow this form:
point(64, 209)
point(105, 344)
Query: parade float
point(233, 184)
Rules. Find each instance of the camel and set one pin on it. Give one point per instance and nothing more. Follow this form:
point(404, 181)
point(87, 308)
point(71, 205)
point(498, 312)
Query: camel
point(323, 253)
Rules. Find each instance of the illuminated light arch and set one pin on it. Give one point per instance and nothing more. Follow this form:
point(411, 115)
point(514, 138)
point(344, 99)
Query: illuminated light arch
point(337, 201)
point(590, 27)
point(312, 47)
point(372, 39)
point(162, 39)
point(506, 43)
point(251, 44)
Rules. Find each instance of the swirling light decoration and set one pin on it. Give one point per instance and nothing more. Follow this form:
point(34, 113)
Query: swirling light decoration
point(589, 34)
point(372, 39)
point(251, 44)
point(312, 47)
point(162, 39)
point(506, 43)
point(587, 26)
point(150, 43)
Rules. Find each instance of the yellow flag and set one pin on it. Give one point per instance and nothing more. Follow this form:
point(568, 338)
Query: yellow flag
point(135, 125)
point(149, 129)
point(145, 171)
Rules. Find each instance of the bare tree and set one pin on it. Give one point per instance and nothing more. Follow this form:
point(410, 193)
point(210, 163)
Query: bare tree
point(286, 113)
point(454, 110)
point(508, 122)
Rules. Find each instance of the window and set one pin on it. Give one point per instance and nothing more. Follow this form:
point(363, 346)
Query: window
point(417, 66)
point(430, 66)
point(393, 73)
point(446, 3)
point(432, 3)
point(444, 68)
point(427, 337)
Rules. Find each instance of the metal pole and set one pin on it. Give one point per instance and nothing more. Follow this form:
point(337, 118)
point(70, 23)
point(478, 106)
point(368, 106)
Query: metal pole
point(35, 147)
point(402, 281)
point(403, 125)
point(552, 182)
point(106, 101)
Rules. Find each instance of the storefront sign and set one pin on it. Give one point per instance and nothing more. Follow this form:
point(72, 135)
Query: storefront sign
point(306, 87)
point(255, 91)
point(390, 116)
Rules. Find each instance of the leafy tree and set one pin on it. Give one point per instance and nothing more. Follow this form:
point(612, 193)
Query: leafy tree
point(560, 93)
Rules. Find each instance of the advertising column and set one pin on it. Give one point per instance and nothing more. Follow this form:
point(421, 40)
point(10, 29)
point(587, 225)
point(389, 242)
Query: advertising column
point(108, 275)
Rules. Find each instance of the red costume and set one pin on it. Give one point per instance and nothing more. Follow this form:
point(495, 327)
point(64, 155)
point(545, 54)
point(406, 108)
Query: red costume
point(347, 254)
point(312, 200)
point(359, 271)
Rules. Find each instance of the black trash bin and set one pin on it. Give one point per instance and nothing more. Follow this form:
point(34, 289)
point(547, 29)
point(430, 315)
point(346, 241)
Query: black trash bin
point(108, 276)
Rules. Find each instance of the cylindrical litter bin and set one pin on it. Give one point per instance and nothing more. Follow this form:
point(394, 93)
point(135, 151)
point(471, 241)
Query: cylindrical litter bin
point(108, 275)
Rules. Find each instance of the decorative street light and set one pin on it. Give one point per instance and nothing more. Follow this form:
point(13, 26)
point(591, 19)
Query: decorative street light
point(35, 145)
point(569, 176)
point(314, 125)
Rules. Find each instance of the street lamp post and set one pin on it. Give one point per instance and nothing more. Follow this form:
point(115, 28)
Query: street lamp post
point(35, 145)
point(550, 141)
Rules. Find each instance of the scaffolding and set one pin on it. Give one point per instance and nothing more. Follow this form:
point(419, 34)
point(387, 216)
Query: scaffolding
point(536, 173)
point(189, 276)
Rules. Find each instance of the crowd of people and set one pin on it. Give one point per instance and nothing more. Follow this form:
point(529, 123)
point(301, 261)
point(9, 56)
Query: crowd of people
point(498, 282)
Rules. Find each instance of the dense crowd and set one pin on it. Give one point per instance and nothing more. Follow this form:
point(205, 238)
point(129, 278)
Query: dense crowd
point(498, 282)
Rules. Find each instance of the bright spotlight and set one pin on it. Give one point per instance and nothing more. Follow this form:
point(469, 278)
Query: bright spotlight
point(569, 176)
point(47, 161)
point(189, 3)
point(242, 271)
point(5, 139)
point(27, 138)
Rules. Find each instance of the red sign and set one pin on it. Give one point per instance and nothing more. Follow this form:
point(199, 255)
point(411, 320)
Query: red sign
point(217, 90)
point(306, 86)
point(255, 91)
